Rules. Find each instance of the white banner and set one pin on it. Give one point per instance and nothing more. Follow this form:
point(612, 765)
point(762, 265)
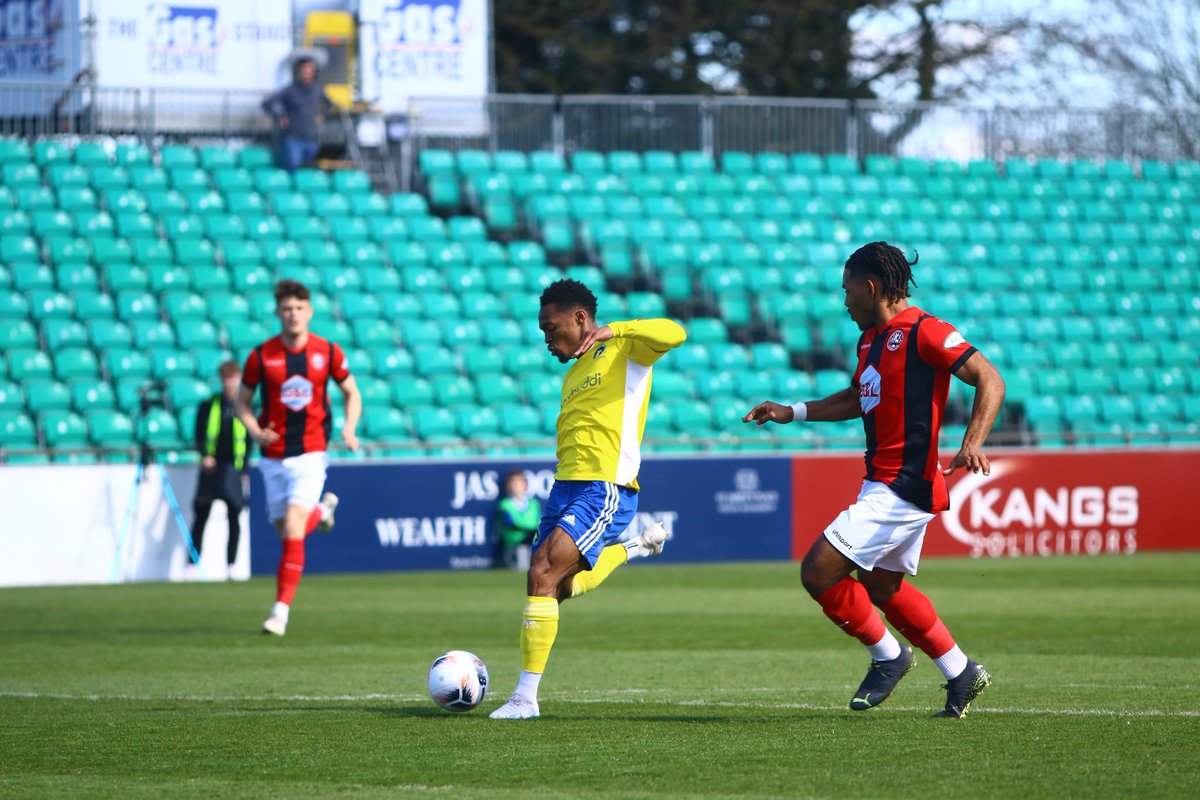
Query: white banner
point(423, 48)
point(93, 539)
point(39, 41)
point(191, 44)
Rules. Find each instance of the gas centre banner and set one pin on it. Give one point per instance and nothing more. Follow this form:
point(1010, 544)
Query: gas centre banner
point(39, 42)
point(424, 48)
point(439, 515)
point(197, 44)
point(1033, 504)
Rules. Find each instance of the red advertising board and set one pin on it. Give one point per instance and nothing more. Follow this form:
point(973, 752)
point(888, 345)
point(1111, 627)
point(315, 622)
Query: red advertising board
point(1034, 503)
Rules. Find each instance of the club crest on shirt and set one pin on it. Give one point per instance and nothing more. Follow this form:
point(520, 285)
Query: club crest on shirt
point(599, 351)
point(317, 360)
point(894, 341)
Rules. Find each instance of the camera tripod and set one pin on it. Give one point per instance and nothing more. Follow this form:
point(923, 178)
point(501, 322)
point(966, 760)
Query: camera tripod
point(150, 396)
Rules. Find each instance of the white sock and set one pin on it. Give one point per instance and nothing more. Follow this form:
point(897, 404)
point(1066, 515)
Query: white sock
point(325, 512)
point(952, 663)
point(527, 686)
point(885, 649)
point(280, 610)
point(634, 546)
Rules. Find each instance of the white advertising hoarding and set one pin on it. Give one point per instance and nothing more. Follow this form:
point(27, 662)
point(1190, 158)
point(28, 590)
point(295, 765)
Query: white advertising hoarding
point(423, 48)
point(191, 44)
point(90, 538)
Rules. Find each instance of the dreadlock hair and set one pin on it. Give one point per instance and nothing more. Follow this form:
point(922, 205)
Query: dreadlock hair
point(887, 264)
point(569, 294)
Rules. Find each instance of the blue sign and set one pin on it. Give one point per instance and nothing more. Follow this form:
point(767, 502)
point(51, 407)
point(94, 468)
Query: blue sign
point(422, 23)
point(423, 516)
point(38, 40)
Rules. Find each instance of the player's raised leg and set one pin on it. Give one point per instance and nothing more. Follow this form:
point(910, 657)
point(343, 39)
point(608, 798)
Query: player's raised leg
point(648, 543)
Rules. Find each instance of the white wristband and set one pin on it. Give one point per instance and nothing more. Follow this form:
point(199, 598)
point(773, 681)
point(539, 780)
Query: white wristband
point(799, 412)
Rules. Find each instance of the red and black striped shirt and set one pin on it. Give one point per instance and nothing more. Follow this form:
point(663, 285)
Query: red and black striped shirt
point(292, 386)
point(903, 379)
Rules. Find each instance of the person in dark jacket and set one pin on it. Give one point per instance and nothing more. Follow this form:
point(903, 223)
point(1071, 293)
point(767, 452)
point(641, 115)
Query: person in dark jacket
point(299, 109)
point(223, 445)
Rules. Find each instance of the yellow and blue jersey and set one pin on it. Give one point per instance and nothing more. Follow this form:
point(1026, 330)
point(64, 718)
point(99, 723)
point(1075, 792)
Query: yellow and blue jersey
point(604, 399)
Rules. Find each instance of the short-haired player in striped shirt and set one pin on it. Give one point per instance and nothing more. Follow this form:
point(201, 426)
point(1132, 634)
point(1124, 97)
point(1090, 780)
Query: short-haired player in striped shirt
point(605, 395)
point(899, 389)
point(291, 371)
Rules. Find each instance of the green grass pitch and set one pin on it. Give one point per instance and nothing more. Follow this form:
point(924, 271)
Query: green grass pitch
point(668, 681)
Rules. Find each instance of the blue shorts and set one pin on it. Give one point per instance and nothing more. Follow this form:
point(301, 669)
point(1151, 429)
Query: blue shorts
point(593, 513)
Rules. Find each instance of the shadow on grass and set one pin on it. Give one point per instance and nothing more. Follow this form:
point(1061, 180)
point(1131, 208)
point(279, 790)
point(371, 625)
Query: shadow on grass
point(428, 711)
point(423, 710)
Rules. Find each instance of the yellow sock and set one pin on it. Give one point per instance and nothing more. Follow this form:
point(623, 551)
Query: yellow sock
point(610, 558)
point(539, 626)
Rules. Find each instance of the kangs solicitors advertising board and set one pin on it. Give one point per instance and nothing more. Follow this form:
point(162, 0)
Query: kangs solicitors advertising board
point(439, 515)
point(1034, 504)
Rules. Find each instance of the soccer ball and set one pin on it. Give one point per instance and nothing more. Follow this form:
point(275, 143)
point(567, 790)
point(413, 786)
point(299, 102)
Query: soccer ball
point(458, 680)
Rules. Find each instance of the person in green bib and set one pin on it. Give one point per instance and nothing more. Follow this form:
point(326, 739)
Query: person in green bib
point(223, 444)
point(517, 516)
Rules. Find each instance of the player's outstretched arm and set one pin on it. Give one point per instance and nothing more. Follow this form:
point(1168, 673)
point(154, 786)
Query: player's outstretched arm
point(989, 396)
point(352, 399)
point(836, 407)
point(770, 411)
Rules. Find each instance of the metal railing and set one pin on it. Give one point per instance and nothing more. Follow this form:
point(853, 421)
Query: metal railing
point(604, 123)
point(653, 445)
point(858, 128)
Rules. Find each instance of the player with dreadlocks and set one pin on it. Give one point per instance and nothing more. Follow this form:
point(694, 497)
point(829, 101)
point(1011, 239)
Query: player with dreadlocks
point(899, 388)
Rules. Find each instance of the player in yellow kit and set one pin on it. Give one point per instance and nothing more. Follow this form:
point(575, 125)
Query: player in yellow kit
point(604, 399)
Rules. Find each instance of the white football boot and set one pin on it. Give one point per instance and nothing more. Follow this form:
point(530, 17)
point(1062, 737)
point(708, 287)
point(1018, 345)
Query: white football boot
point(329, 501)
point(517, 707)
point(277, 623)
point(649, 542)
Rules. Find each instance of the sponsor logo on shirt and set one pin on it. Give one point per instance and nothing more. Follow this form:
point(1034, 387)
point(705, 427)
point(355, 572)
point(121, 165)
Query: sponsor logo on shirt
point(953, 340)
point(590, 382)
point(868, 389)
point(296, 392)
point(894, 341)
point(273, 362)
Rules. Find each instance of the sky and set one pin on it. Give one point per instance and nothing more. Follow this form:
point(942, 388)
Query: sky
point(1086, 89)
